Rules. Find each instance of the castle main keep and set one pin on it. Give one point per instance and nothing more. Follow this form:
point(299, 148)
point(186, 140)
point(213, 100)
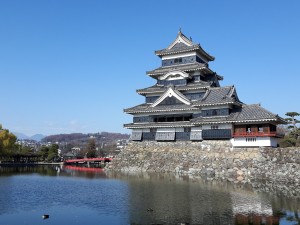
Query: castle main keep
point(187, 103)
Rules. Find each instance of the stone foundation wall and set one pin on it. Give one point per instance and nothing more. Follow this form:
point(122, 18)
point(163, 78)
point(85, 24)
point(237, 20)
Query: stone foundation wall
point(211, 158)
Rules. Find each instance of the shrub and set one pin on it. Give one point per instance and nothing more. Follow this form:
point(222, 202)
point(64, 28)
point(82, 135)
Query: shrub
point(287, 142)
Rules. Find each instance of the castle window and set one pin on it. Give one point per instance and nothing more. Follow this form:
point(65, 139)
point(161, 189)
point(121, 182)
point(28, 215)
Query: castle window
point(214, 127)
point(178, 60)
point(187, 129)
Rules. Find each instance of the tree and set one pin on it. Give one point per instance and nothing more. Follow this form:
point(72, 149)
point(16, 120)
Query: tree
point(44, 152)
point(292, 120)
point(293, 137)
point(25, 149)
point(53, 153)
point(49, 153)
point(91, 149)
point(7, 141)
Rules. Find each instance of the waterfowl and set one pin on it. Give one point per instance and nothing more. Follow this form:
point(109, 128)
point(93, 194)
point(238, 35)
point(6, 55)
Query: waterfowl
point(45, 216)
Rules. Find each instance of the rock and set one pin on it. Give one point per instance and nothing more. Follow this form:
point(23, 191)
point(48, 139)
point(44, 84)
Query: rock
point(230, 170)
point(240, 172)
point(240, 178)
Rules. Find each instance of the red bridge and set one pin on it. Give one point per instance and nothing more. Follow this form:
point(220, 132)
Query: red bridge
point(70, 161)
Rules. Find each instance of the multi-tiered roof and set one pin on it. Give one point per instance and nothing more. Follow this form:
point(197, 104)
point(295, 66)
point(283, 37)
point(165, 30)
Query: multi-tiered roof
point(185, 85)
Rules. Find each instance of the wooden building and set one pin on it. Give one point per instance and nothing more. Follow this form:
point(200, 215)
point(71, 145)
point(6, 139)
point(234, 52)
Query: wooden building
point(187, 103)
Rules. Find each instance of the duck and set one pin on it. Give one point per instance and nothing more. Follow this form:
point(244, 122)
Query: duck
point(45, 216)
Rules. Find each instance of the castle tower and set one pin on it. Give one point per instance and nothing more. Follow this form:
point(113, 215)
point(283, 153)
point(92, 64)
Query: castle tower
point(187, 103)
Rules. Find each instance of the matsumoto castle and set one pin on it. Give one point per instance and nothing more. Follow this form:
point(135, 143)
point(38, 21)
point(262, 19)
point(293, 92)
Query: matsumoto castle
point(187, 103)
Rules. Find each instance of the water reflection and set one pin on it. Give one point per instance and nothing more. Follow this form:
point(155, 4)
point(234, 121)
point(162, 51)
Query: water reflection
point(175, 200)
point(93, 196)
point(53, 170)
point(192, 204)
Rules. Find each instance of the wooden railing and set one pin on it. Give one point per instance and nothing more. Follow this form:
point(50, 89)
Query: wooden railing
point(255, 134)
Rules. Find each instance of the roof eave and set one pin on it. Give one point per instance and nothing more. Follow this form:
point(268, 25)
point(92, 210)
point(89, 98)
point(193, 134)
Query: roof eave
point(214, 104)
point(157, 125)
point(161, 53)
point(153, 74)
point(163, 110)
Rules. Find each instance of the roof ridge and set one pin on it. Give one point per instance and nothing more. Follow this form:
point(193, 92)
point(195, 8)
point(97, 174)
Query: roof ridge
point(206, 94)
point(220, 87)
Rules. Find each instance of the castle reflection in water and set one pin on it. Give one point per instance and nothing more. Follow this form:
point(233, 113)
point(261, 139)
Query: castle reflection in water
point(167, 199)
point(160, 198)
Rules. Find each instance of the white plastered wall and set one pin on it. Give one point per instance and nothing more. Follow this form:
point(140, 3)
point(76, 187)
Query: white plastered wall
point(171, 129)
point(254, 142)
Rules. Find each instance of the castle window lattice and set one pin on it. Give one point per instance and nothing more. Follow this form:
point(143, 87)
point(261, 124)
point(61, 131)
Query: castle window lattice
point(182, 60)
point(180, 82)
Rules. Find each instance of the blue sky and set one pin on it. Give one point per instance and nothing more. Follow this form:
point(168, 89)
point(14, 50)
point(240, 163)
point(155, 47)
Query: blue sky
point(73, 66)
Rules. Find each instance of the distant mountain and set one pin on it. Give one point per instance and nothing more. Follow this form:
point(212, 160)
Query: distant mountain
point(83, 138)
point(37, 137)
point(21, 136)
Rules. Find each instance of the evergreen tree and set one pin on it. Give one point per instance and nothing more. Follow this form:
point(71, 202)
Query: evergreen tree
point(293, 137)
point(292, 120)
point(91, 148)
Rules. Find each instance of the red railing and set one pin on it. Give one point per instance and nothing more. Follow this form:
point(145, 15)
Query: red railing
point(255, 134)
point(84, 169)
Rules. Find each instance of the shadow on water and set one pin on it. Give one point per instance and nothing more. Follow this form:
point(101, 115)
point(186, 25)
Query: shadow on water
point(92, 196)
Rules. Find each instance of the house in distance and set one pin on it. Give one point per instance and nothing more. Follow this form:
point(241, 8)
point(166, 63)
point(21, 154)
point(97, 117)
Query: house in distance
point(187, 103)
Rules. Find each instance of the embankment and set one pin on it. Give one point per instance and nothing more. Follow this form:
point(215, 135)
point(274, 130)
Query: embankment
point(215, 159)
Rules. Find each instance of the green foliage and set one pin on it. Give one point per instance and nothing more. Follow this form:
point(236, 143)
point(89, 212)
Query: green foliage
point(52, 156)
point(49, 153)
point(293, 137)
point(292, 114)
point(292, 121)
point(43, 152)
point(25, 150)
point(7, 141)
point(287, 142)
point(295, 133)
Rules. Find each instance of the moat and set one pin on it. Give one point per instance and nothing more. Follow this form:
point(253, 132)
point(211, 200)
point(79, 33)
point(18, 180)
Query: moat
point(78, 196)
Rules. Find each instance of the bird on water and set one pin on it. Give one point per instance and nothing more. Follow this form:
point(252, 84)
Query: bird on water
point(45, 216)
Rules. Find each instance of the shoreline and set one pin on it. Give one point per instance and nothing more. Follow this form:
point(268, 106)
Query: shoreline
point(31, 164)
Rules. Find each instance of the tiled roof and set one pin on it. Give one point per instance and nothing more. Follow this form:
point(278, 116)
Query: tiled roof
point(252, 112)
point(186, 46)
point(247, 113)
point(145, 108)
point(217, 96)
point(213, 96)
point(161, 124)
point(178, 48)
point(183, 67)
point(189, 86)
